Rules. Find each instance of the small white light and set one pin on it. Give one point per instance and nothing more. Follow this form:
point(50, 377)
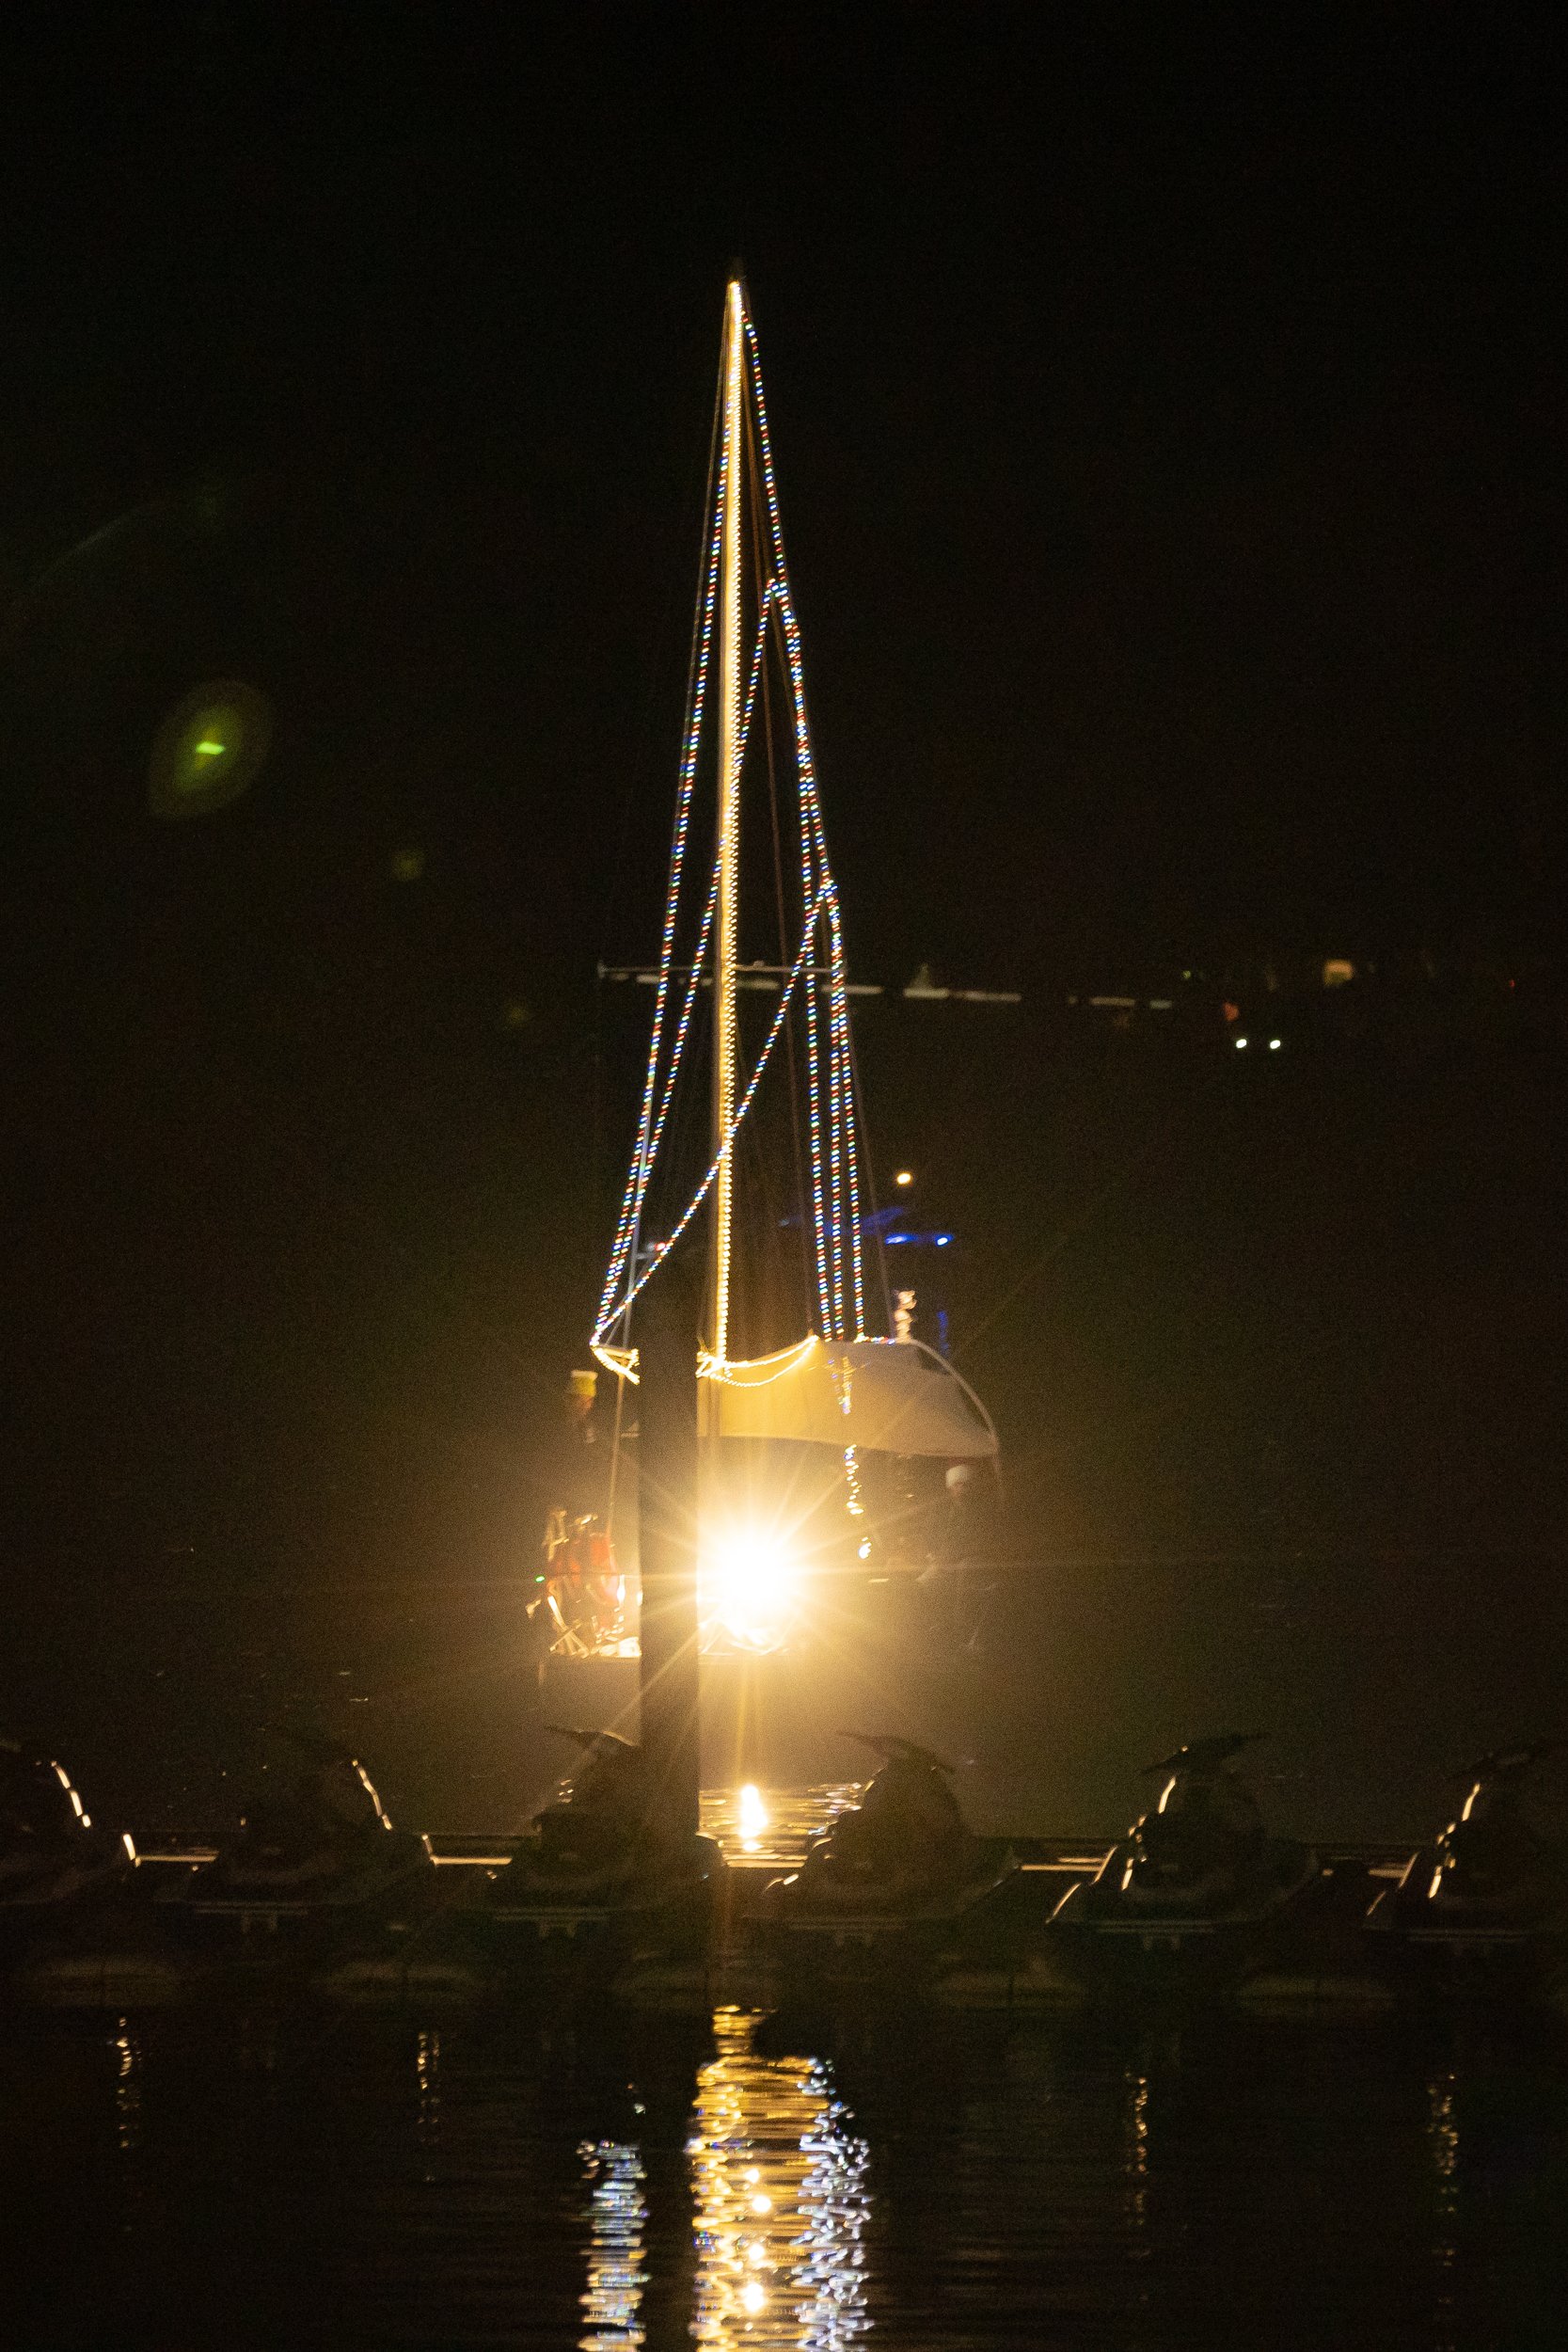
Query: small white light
point(905, 1176)
point(1240, 1043)
point(1274, 1046)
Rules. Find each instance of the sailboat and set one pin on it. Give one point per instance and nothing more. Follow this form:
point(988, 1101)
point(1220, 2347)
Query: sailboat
point(827, 1405)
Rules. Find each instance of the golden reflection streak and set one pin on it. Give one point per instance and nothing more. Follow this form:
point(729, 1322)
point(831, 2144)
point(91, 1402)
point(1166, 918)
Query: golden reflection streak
point(753, 1818)
point(127, 2088)
point(773, 1825)
point(1135, 2148)
point(1443, 2145)
point(617, 2222)
point(781, 2197)
point(427, 2070)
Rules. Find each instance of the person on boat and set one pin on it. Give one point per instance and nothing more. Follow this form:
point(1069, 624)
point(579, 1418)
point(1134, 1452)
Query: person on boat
point(606, 1586)
point(585, 1591)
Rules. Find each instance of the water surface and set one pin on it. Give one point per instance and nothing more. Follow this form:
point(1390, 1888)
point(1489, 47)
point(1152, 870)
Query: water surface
point(189, 2182)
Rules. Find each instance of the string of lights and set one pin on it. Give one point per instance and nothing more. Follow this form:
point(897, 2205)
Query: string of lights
point(832, 1108)
point(774, 1033)
point(624, 1251)
point(624, 1246)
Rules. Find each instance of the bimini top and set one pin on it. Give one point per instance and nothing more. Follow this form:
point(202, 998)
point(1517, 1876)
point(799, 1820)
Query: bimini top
point(891, 1397)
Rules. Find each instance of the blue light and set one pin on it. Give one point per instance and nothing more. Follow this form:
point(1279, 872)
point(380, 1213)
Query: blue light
point(943, 1240)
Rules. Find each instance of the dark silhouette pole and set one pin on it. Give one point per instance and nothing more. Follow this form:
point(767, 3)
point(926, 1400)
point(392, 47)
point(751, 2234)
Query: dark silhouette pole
point(667, 1535)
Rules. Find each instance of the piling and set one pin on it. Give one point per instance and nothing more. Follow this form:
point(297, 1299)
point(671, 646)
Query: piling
point(667, 1538)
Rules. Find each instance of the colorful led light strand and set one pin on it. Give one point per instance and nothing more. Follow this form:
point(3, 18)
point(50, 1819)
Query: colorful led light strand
point(839, 1228)
point(832, 1123)
point(624, 1246)
point(623, 1253)
point(744, 1104)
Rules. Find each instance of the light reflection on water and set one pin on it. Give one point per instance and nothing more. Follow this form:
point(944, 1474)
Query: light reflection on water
point(772, 1825)
point(618, 2220)
point(779, 2185)
point(225, 2181)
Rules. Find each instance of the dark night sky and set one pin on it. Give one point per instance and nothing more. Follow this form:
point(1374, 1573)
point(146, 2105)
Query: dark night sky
point(1170, 417)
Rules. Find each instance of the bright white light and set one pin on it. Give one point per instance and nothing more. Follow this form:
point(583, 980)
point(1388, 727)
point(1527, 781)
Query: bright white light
point(1274, 1046)
point(1240, 1043)
point(747, 1584)
point(753, 2297)
point(754, 1816)
point(905, 1176)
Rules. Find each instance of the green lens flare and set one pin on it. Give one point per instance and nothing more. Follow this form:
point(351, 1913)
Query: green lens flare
point(208, 749)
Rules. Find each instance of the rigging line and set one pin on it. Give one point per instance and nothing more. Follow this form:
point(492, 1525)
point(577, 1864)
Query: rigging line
point(793, 1086)
point(627, 1226)
point(813, 1129)
point(814, 858)
point(846, 1052)
point(824, 1049)
point(698, 690)
point(835, 1147)
point(827, 1213)
point(614, 1468)
point(647, 730)
point(814, 1103)
point(835, 1150)
point(643, 1175)
point(870, 1182)
point(701, 1192)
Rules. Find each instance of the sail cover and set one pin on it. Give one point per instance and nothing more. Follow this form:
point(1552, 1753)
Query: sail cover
point(889, 1396)
point(886, 1396)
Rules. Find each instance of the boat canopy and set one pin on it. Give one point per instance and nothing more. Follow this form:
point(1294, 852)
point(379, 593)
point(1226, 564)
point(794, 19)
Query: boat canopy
point(885, 1396)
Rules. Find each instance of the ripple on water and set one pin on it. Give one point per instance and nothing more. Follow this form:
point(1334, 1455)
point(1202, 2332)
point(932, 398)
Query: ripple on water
point(527, 2180)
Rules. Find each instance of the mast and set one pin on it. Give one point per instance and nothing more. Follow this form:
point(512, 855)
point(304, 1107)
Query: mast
point(727, 911)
